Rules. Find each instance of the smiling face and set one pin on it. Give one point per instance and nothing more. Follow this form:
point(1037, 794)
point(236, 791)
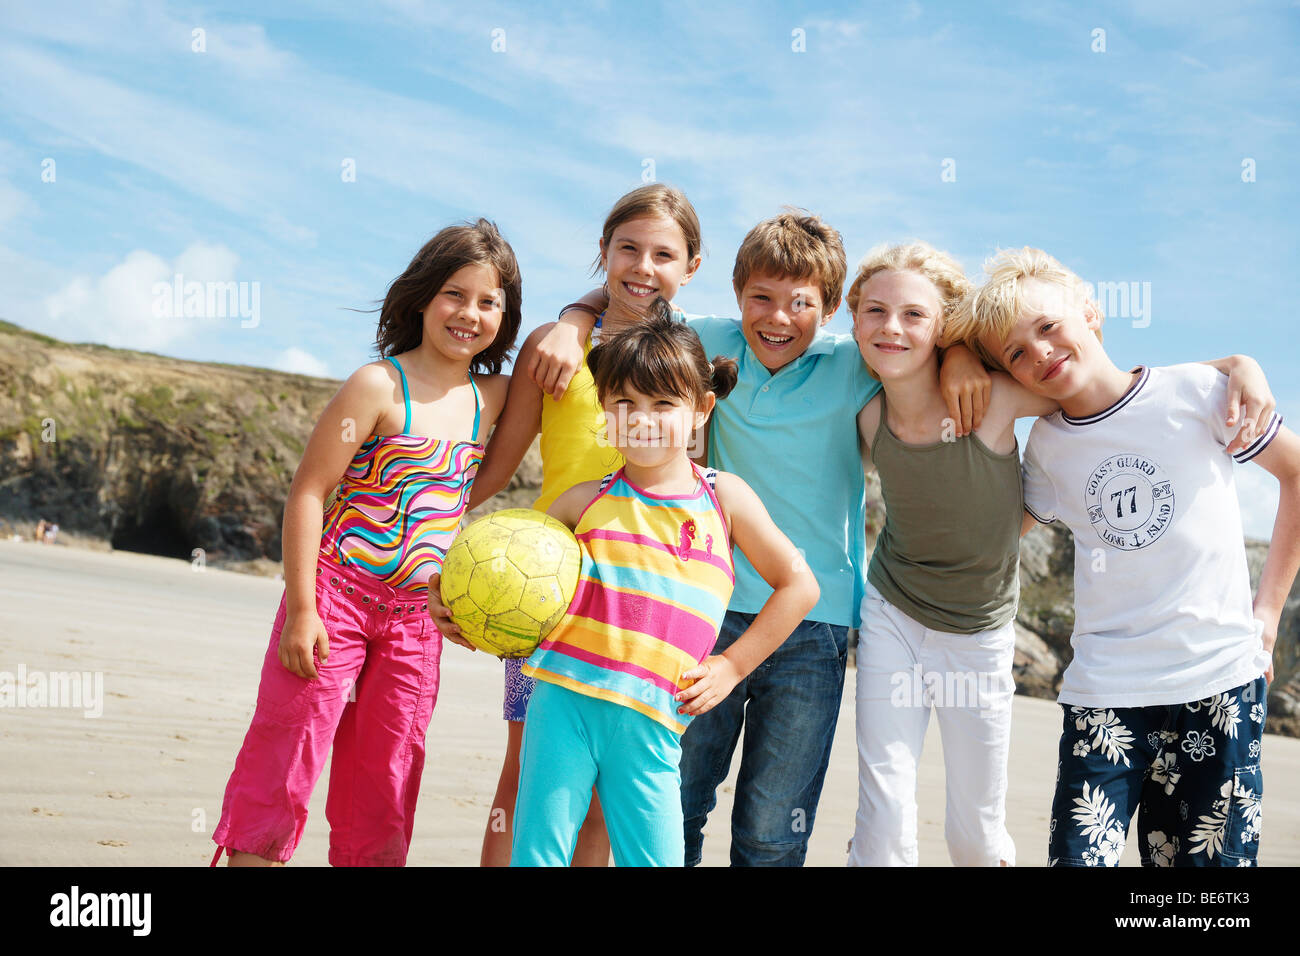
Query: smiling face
point(645, 258)
point(898, 323)
point(463, 318)
point(651, 430)
point(780, 317)
point(1053, 348)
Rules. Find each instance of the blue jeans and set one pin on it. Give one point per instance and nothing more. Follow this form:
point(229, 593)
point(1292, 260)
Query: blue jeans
point(791, 702)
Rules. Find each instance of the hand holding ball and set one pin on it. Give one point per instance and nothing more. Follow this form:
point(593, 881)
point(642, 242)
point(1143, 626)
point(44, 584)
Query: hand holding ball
point(508, 578)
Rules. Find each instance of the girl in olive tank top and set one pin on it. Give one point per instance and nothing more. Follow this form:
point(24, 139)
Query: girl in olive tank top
point(938, 614)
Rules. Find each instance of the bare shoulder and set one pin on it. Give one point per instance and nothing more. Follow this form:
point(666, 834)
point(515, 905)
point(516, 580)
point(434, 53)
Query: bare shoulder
point(869, 419)
point(493, 388)
point(730, 485)
point(568, 507)
point(377, 376)
point(369, 389)
point(735, 496)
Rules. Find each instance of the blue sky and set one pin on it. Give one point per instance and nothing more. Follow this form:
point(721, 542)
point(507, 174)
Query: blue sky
point(226, 163)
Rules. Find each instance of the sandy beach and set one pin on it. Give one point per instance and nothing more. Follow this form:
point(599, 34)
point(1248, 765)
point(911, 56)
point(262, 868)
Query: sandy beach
point(178, 652)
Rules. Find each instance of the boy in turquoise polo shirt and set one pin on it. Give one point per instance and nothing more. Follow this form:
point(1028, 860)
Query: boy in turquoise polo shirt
point(790, 430)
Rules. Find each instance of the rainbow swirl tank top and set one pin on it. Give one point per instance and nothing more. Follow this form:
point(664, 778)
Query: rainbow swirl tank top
point(400, 502)
point(655, 580)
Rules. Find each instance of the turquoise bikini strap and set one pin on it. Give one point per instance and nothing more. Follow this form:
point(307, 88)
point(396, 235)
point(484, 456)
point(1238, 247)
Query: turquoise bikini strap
point(406, 396)
point(477, 408)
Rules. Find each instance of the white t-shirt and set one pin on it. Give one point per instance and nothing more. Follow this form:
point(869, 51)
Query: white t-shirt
point(1161, 590)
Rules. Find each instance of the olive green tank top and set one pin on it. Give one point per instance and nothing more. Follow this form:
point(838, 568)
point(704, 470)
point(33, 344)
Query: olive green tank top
point(949, 554)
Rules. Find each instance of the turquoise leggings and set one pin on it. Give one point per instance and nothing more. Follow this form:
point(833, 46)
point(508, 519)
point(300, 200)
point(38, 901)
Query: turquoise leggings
point(572, 742)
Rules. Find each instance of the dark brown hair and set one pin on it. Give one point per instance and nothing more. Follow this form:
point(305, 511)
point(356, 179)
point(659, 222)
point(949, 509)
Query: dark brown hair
point(401, 319)
point(660, 356)
point(653, 199)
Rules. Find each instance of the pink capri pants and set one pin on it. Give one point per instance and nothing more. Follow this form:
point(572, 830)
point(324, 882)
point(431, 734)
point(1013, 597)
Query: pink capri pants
point(373, 701)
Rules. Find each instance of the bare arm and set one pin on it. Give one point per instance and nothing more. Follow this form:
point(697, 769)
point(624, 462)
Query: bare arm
point(1027, 524)
point(794, 592)
point(349, 419)
point(868, 423)
point(1282, 460)
point(520, 421)
point(1249, 398)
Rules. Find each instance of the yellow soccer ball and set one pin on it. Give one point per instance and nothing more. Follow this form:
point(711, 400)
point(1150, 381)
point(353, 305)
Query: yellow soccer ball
point(508, 578)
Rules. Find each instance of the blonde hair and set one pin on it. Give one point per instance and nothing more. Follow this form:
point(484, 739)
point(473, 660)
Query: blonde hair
point(924, 259)
point(791, 245)
point(992, 310)
point(653, 199)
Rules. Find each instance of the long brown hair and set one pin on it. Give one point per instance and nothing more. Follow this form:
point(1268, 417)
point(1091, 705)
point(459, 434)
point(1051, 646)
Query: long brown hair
point(653, 199)
point(401, 319)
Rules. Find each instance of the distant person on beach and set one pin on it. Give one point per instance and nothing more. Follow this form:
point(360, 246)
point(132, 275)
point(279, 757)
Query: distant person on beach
point(354, 656)
point(1165, 699)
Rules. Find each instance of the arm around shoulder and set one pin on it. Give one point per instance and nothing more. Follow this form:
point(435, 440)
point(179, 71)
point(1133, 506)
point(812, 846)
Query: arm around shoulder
point(557, 354)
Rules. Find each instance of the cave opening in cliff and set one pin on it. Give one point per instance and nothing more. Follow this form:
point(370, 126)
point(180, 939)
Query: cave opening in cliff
point(154, 530)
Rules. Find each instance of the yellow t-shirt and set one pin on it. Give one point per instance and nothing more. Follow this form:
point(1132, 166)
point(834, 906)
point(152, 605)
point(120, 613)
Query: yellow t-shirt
point(574, 446)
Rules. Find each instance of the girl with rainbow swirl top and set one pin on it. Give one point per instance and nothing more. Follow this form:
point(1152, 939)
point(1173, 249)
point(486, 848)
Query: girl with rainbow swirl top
point(353, 656)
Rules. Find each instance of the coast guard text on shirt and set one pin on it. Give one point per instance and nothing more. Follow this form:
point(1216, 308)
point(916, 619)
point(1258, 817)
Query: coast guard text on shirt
point(102, 909)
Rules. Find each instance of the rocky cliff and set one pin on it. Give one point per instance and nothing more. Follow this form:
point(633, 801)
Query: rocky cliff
point(162, 455)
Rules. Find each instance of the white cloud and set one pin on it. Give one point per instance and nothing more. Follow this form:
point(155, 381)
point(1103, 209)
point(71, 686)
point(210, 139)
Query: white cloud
point(295, 360)
point(131, 305)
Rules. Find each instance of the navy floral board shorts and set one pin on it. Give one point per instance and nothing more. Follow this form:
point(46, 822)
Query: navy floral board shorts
point(1191, 772)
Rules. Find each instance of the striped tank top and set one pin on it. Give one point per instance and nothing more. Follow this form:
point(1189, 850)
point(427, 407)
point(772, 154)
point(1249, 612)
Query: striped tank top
point(655, 580)
point(400, 502)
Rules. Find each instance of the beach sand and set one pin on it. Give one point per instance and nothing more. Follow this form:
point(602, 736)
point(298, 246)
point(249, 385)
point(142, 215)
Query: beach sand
point(180, 650)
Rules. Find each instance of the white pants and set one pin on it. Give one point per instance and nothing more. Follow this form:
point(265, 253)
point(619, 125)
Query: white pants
point(904, 669)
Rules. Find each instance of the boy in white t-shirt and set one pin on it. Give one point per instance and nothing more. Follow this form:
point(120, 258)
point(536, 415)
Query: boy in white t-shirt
point(1165, 698)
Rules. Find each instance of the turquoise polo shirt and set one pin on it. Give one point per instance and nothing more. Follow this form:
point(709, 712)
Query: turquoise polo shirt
point(793, 437)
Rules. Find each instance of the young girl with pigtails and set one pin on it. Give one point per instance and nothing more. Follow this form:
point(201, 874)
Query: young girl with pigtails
point(631, 662)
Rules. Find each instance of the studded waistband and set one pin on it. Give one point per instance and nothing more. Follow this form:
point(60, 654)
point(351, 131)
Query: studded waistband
point(382, 597)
